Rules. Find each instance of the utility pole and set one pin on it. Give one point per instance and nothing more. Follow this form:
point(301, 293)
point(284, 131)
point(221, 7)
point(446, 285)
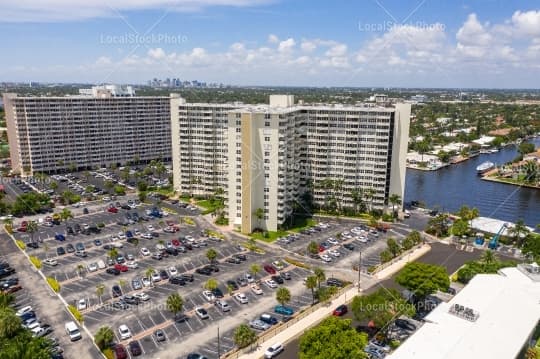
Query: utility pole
point(218, 344)
point(359, 268)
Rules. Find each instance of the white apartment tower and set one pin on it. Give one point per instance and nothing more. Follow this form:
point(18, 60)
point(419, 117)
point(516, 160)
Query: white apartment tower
point(272, 157)
point(48, 134)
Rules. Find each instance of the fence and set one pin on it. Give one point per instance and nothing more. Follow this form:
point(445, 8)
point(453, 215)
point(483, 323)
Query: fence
point(236, 353)
point(382, 266)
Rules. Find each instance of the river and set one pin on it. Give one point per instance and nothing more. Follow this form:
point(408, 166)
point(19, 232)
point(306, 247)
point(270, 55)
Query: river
point(451, 187)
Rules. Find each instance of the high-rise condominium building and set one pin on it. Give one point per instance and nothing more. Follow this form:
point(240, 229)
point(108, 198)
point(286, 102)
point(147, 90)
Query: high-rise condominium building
point(48, 134)
point(271, 160)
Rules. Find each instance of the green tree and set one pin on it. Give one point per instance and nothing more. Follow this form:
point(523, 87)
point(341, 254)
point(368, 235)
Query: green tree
point(531, 170)
point(254, 269)
point(438, 225)
point(357, 197)
point(488, 257)
point(244, 336)
point(211, 254)
point(65, 214)
point(311, 284)
point(381, 307)
point(393, 247)
point(423, 279)
point(211, 284)
point(395, 200)
point(460, 227)
point(113, 253)
point(526, 147)
point(283, 295)
point(259, 214)
point(320, 274)
point(313, 247)
point(104, 337)
point(149, 271)
point(175, 303)
point(518, 232)
point(422, 148)
point(333, 338)
point(100, 289)
point(10, 324)
point(6, 300)
point(32, 228)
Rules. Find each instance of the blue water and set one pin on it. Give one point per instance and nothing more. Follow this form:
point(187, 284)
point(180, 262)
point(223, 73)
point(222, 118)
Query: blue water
point(451, 187)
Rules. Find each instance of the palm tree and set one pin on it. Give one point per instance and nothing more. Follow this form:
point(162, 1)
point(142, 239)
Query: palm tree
point(519, 231)
point(369, 194)
point(531, 171)
point(104, 337)
point(32, 228)
point(311, 283)
point(394, 199)
point(244, 336)
point(313, 247)
point(80, 268)
point(259, 214)
point(6, 300)
point(211, 284)
point(100, 289)
point(113, 253)
point(254, 269)
point(211, 254)
point(488, 257)
point(9, 323)
point(321, 276)
point(422, 147)
point(357, 196)
point(122, 283)
point(283, 295)
point(175, 303)
point(149, 271)
point(66, 214)
point(54, 185)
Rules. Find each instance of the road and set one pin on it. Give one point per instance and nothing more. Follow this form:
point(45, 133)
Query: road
point(440, 254)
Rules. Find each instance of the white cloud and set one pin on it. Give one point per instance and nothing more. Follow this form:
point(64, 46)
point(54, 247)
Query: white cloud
point(156, 53)
point(527, 23)
point(273, 39)
point(473, 33)
point(103, 60)
point(73, 10)
point(286, 45)
point(337, 50)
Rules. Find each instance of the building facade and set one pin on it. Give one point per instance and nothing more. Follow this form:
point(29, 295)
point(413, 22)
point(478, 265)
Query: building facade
point(48, 134)
point(278, 157)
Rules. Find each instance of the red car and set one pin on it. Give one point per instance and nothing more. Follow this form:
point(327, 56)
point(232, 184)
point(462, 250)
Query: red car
point(175, 242)
point(340, 310)
point(269, 269)
point(121, 267)
point(120, 351)
point(112, 210)
point(170, 223)
point(21, 229)
point(321, 249)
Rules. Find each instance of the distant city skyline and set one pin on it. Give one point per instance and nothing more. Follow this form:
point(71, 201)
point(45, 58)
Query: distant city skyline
point(443, 44)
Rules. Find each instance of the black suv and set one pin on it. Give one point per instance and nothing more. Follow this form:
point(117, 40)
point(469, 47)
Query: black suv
point(177, 280)
point(187, 277)
point(129, 299)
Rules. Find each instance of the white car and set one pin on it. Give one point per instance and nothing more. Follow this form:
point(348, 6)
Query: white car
point(85, 226)
point(208, 296)
point(256, 289)
point(332, 241)
point(150, 228)
point(190, 239)
point(137, 233)
point(201, 313)
point(278, 265)
point(147, 235)
point(92, 267)
point(130, 257)
point(50, 262)
point(146, 281)
point(326, 258)
point(271, 283)
point(273, 351)
point(121, 235)
point(124, 332)
point(362, 239)
point(82, 304)
point(249, 278)
point(241, 298)
point(173, 271)
point(114, 238)
point(142, 296)
point(156, 277)
point(117, 245)
point(132, 265)
point(145, 252)
point(334, 253)
point(160, 247)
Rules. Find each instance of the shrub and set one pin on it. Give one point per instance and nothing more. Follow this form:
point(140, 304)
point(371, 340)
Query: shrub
point(101, 225)
point(53, 283)
point(296, 263)
point(372, 269)
point(76, 314)
point(20, 244)
point(188, 221)
point(35, 261)
point(9, 228)
point(222, 221)
point(108, 353)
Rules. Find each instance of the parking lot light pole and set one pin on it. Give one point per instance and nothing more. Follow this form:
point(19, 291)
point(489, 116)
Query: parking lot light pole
point(359, 268)
point(218, 344)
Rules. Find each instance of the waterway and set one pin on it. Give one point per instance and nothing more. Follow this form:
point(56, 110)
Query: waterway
point(451, 187)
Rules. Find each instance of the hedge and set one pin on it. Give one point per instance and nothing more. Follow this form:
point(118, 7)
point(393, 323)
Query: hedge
point(53, 283)
point(296, 263)
point(78, 316)
point(20, 244)
point(35, 261)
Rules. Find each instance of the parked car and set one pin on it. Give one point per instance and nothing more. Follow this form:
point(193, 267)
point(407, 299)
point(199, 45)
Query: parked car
point(283, 310)
point(259, 324)
point(340, 310)
point(120, 352)
point(116, 291)
point(124, 332)
point(405, 324)
point(269, 269)
point(60, 251)
point(268, 319)
point(273, 351)
point(201, 313)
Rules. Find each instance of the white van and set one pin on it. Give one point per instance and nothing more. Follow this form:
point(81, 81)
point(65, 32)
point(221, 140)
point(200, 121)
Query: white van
point(73, 331)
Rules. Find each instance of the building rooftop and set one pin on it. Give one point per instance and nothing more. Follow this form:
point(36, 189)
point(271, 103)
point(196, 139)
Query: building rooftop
point(492, 225)
point(504, 312)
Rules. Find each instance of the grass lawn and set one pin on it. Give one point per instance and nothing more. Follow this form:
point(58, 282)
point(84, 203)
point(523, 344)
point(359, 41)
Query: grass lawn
point(302, 223)
point(208, 205)
point(272, 236)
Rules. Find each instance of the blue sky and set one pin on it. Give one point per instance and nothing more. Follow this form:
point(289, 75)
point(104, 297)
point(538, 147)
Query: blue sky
point(431, 43)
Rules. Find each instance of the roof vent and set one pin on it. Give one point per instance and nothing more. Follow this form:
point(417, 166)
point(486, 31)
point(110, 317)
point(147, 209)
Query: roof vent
point(464, 312)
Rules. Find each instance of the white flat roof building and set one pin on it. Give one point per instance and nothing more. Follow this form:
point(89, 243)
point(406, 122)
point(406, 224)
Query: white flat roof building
point(492, 225)
point(505, 312)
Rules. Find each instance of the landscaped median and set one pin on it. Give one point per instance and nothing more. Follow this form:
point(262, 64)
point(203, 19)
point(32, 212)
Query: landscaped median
point(53, 283)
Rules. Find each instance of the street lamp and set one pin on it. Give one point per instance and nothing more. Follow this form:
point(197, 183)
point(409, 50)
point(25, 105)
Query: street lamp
point(359, 268)
point(218, 344)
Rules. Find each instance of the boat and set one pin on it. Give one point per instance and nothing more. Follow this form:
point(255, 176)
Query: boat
point(494, 150)
point(484, 167)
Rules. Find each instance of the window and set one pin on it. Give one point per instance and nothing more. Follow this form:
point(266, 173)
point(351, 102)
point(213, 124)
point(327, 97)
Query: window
point(267, 190)
point(267, 153)
point(267, 124)
point(267, 139)
point(267, 175)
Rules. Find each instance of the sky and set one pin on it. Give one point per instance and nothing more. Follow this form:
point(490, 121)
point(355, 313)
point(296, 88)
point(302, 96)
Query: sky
point(362, 43)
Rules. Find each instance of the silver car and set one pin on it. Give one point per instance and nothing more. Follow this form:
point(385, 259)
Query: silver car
point(259, 324)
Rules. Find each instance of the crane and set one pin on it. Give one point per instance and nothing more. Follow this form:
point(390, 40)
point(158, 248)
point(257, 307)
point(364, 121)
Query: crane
point(494, 243)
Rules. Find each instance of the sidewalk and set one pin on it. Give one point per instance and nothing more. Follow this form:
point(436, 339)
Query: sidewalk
point(301, 326)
